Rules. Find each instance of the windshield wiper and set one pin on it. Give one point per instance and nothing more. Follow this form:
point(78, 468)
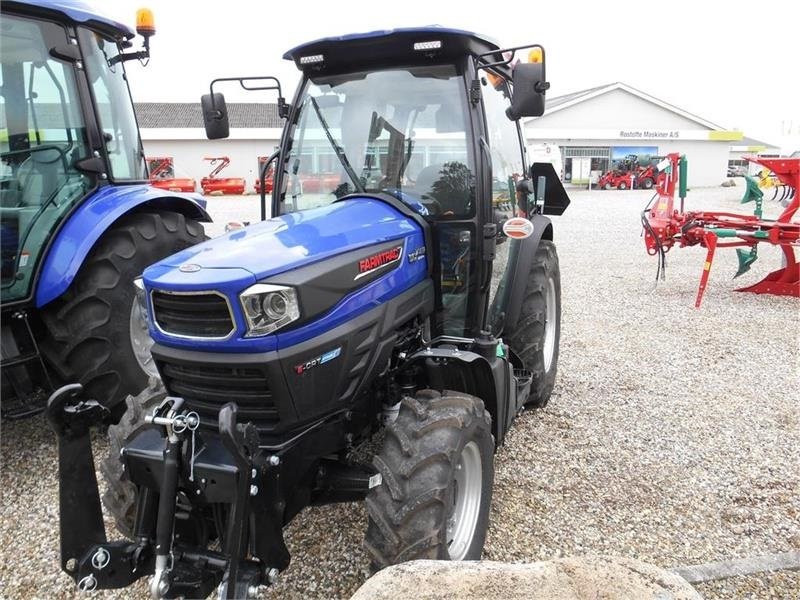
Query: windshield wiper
point(337, 148)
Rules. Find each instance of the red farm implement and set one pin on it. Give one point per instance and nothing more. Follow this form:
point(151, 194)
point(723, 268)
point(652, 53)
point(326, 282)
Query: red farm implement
point(162, 175)
point(221, 185)
point(664, 226)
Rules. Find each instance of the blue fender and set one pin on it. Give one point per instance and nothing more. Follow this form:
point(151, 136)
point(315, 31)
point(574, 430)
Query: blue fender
point(84, 226)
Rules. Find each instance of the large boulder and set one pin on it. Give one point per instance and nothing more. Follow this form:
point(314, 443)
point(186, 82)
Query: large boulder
point(576, 578)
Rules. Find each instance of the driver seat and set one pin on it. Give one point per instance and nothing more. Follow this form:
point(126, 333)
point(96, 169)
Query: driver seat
point(40, 177)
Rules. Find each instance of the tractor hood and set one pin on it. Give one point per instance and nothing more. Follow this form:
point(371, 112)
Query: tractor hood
point(283, 244)
point(342, 260)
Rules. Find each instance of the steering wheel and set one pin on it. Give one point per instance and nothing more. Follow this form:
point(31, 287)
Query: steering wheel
point(62, 152)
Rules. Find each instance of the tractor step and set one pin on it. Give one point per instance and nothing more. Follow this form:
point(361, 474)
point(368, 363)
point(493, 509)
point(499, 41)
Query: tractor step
point(523, 377)
point(21, 408)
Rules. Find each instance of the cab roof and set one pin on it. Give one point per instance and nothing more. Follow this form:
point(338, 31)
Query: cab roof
point(76, 11)
point(383, 48)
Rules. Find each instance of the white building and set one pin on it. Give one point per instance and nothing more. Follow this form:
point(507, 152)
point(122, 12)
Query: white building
point(594, 127)
point(175, 129)
point(591, 127)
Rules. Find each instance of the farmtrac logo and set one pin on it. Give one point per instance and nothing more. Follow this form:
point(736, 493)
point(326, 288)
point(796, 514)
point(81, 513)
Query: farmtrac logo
point(317, 361)
point(377, 261)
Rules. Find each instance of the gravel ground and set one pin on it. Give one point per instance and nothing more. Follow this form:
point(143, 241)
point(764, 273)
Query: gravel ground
point(673, 434)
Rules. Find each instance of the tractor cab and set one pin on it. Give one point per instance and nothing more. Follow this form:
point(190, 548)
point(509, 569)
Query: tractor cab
point(428, 117)
point(49, 161)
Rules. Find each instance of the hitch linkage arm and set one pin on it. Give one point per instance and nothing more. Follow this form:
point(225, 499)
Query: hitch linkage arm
point(86, 555)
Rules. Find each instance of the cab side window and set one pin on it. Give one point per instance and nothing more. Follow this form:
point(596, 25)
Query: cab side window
point(507, 169)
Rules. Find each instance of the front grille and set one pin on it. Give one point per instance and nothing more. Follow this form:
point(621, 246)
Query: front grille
point(207, 388)
point(200, 314)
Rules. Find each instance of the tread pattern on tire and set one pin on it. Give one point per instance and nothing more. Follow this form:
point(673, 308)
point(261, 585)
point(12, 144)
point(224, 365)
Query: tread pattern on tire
point(408, 510)
point(526, 338)
point(88, 326)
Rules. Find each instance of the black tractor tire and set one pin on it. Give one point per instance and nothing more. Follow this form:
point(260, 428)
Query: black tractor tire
point(89, 326)
point(410, 510)
point(646, 183)
point(607, 186)
point(120, 495)
point(527, 338)
point(622, 185)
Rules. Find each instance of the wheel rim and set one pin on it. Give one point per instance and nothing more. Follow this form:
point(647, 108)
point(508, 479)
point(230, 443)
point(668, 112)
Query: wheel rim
point(466, 502)
point(141, 342)
point(550, 322)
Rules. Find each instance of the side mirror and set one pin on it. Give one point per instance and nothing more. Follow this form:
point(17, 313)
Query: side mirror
point(215, 116)
point(529, 89)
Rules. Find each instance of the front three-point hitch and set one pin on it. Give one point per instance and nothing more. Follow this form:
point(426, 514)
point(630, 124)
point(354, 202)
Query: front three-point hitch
point(168, 462)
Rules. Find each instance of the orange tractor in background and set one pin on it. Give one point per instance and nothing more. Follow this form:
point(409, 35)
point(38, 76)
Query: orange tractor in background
point(162, 175)
point(212, 184)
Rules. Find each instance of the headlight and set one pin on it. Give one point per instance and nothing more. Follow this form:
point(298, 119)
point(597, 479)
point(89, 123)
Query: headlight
point(268, 307)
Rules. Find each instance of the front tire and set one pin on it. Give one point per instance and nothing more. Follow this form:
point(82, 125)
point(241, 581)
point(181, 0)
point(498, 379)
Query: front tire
point(437, 468)
point(622, 185)
point(92, 333)
point(535, 337)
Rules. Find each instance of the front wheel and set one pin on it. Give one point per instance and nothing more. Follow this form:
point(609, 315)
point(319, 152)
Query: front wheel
point(622, 185)
point(437, 469)
point(535, 337)
point(646, 183)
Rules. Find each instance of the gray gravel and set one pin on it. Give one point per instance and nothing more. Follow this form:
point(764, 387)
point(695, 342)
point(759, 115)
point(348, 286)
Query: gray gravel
point(673, 434)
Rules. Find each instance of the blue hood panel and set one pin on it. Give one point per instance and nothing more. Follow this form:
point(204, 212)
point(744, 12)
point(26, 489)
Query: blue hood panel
point(231, 263)
point(165, 277)
point(290, 241)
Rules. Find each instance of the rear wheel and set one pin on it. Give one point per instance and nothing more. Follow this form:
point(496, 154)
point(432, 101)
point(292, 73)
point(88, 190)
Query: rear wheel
point(437, 473)
point(607, 186)
point(622, 185)
point(96, 330)
point(646, 183)
point(535, 337)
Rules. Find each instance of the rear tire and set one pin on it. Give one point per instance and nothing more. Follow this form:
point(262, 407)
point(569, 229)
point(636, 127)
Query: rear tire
point(535, 337)
point(120, 496)
point(622, 185)
point(438, 471)
point(90, 336)
point(646, 183)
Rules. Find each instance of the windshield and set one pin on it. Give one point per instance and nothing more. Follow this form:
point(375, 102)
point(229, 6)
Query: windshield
point(114, 107)
point(42, 136)
point(403, 132)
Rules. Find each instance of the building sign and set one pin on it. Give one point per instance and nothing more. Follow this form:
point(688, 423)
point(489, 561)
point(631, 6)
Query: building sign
point(644, 134)
point(639, 133)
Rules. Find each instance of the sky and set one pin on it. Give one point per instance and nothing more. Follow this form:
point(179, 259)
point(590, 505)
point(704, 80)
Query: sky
point(736, 64)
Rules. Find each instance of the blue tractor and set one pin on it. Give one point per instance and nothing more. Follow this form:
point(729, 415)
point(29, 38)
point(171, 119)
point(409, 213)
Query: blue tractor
point(78, 221)
point(407, 284)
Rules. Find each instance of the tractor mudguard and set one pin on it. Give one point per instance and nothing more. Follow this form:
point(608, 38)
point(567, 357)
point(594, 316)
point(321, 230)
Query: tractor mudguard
point(91, 219)
point(542, 229)
point(449, 368)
